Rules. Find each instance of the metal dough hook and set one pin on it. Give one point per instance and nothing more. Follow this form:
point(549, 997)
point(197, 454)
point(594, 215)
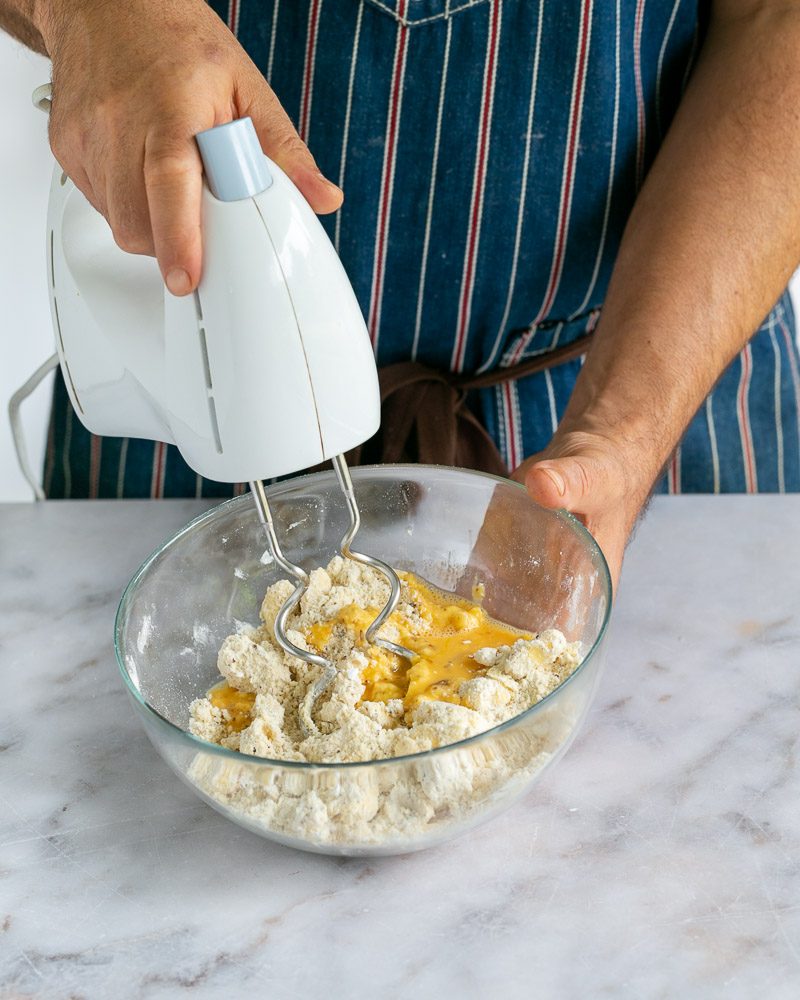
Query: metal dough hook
point(286, 644)
point(299, 574)
point(346, 483)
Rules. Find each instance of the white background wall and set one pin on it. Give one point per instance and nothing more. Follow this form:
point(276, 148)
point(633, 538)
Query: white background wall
point(26, 338)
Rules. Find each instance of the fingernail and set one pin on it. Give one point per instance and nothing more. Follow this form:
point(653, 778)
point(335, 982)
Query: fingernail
point(556, 480)
point(178, 281)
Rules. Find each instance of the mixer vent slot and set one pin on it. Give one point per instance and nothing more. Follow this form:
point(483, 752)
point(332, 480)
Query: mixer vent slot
point(212, 410)
point(212, 407)
point(52, 268)
point(206, 364)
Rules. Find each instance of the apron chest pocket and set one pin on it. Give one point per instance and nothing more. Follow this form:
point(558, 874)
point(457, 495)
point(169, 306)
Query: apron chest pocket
point(413, 13)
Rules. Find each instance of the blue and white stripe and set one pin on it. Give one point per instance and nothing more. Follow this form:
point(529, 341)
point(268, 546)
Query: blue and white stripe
point(490, 152)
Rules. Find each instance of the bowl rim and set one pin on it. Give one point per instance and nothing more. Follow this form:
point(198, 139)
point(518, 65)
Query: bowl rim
point(357, 472)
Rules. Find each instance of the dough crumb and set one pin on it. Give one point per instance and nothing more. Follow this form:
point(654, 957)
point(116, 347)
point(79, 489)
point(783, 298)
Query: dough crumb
point(470, 673)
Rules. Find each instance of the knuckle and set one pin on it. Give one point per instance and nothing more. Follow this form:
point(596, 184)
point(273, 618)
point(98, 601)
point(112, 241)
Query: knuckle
point(290, 145)
point(121, 241)
point(164, 164)
point(128, 215)
point(584, 479)
point(131, 238)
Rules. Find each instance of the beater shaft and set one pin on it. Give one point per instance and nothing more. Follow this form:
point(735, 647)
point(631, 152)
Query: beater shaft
point(346, 484)
point(300, 575)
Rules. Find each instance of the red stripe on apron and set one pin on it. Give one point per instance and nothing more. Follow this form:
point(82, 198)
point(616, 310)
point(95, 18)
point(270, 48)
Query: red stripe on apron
point(308, 70)
point(674, 472)
point(94, 466)
point(387, 179)
point(476, 208)
point(233, 16)
point(157, 481)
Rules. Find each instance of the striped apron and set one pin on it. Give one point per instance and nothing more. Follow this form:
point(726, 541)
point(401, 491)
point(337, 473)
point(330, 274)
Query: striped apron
point(490, 152)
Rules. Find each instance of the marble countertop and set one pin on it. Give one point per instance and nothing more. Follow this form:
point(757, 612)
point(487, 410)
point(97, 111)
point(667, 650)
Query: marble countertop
point(660, 858)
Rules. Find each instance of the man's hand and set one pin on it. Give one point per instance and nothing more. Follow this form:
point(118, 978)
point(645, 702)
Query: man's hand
point(589, 476)
point(133, 83)
point(712, 241)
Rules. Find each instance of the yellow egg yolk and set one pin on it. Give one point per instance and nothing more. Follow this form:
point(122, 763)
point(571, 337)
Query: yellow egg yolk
point(238, 704)
point(455, 630)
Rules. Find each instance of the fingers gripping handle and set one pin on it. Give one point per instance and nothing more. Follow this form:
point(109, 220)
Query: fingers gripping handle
point(234, 163)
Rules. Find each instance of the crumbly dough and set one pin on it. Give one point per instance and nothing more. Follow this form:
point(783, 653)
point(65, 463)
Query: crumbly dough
point(371, 805)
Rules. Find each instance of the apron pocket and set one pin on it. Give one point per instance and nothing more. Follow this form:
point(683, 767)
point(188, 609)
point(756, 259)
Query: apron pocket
point(413, 13)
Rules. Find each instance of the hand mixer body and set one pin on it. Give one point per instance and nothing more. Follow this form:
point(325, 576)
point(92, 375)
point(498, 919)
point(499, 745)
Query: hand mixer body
point(265, 370)
point(246, 375)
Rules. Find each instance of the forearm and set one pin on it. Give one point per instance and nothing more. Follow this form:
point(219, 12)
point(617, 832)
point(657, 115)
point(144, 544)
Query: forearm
point(711, 243)
point(20, 19)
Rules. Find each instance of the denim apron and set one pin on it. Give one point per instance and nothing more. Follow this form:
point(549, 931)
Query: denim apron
point(490, 152)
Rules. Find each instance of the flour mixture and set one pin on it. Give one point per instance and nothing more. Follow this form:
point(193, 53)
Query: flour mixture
point(471, 673)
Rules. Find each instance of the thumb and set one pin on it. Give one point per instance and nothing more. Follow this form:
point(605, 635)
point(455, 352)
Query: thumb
point(577, 483)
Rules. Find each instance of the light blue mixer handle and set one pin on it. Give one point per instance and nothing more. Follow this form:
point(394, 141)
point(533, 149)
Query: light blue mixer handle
point(233, 160)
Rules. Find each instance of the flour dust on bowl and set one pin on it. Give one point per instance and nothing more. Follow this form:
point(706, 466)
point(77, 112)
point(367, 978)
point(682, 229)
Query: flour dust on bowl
point(460, 531)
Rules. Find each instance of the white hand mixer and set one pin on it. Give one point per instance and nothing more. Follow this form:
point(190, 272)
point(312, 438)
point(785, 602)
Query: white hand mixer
point(265, 370)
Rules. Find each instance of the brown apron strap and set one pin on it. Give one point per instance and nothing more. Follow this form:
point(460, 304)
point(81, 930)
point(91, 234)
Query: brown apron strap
point(539, 363)
point(425, 417)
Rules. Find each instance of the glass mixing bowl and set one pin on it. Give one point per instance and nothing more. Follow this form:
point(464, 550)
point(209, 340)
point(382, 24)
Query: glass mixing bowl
point(540, 569)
